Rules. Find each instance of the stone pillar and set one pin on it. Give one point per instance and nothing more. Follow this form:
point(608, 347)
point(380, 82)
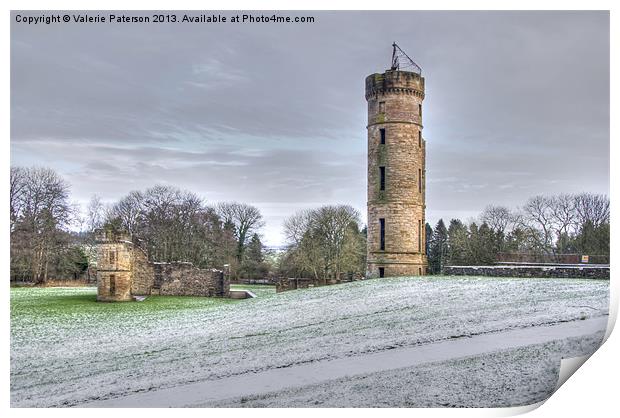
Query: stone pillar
point(396, 175)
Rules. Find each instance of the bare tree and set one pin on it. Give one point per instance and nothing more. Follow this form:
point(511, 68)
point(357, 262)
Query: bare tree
point(95, 213)
point(127, 212)
point(41, 214)
point(246, 220)
point(331, 224)
point(537, 217)
point(304, 252)
point(296, 226)
point(593, 208)
point(16, 197)
point(173, 225)
point(325, 241)
point(563, 218)
point(499, 218)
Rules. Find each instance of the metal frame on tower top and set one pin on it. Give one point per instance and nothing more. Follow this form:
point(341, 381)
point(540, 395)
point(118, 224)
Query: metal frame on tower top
point(401, 61)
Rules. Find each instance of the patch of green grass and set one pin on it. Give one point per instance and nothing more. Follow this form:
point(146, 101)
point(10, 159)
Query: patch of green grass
point(44, 302)
point(63, 301)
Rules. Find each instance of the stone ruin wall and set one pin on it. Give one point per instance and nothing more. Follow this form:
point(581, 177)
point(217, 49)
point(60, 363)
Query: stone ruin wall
point(142, 273)
point(292, 283)
point(285, 283)
point(183, 279)
point(124, 271)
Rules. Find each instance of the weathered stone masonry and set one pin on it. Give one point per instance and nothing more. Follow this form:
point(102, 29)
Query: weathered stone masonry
point(581, 272)
point(396, 175)
point(183, 279)
point(124, 271)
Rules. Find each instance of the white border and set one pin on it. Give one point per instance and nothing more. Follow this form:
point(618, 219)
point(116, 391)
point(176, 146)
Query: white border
point(592, 391)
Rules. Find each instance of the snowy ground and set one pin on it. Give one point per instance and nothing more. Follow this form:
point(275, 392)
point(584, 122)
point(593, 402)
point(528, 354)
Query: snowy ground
point(521, 376)
point(68, 350)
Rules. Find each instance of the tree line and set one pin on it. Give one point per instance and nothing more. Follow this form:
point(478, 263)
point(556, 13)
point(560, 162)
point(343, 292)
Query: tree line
point(51, 238)
point(544, 226)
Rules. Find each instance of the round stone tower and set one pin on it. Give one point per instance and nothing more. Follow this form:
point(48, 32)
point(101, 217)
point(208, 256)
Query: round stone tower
point(396, 174)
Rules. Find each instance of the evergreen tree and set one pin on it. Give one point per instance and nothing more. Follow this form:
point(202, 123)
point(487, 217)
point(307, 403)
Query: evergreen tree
point(593, 240)
point(253, 265)
point(458, 241)
point(488, 245)
point(255, 249)
point(429, 236)
point(438, 248)
point(472, 244)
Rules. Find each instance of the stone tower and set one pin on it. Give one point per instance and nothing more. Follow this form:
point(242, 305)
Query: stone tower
point(396, 170)
point(114, 266)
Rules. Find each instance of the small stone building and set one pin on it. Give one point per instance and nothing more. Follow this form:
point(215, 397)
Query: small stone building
point(124, 271)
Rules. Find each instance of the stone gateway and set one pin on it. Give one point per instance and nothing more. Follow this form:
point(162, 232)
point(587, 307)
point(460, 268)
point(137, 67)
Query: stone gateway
point(396, 174)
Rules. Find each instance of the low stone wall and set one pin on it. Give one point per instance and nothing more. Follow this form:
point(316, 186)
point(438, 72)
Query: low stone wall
point(292, 283)
point(581, 272)
point(183, 279)
point(286, 283)
point(63, 283)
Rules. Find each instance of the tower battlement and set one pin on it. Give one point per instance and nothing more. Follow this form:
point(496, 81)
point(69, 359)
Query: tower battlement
point(104, 235)
point(395, 82)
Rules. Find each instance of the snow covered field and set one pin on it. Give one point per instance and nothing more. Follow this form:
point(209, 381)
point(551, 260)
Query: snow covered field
point(520, 376)
point(67, 350)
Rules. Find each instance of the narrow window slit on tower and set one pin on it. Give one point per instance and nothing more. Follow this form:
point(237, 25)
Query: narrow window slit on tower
point(381, 272)
point(382, 131)
point(112, 257)
point(420, 111)
point(382, 177)
point(420, 139)
point(112, 284)
point(382, 234)
point(419, 236)
point(420, 180)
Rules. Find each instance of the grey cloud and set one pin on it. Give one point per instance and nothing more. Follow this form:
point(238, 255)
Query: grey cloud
point(517, 104)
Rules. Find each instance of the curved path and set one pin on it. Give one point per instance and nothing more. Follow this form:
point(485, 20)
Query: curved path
point(248, 384)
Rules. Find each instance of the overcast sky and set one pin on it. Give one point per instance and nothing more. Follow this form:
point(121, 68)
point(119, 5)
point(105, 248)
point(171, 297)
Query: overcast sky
point(517, 104)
